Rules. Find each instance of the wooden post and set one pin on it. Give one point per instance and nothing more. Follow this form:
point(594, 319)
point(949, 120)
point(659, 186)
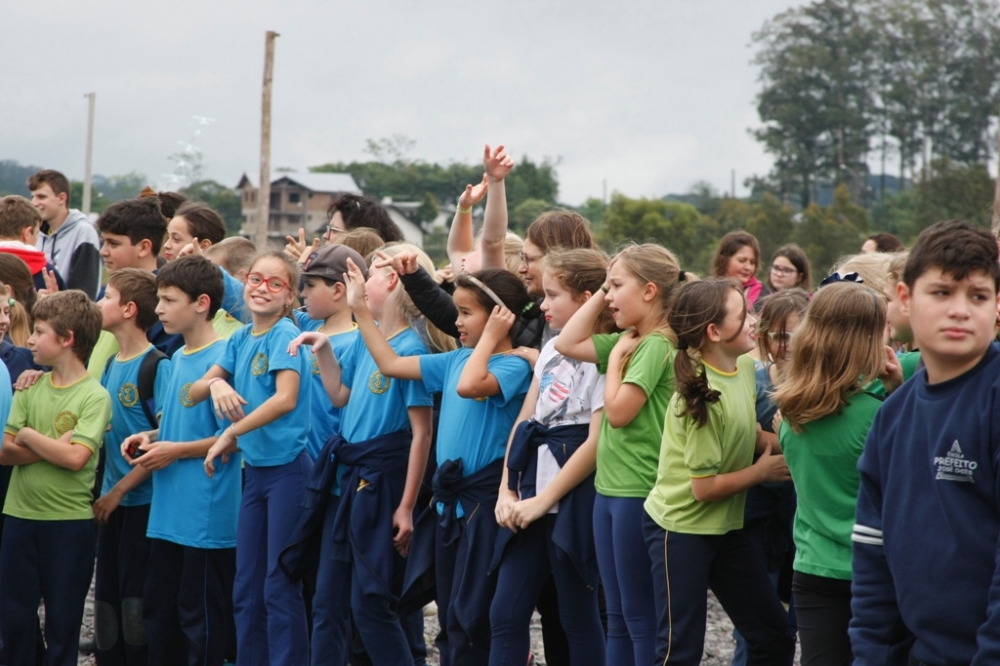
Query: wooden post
point(996, 196)
point(264, 192)
point(88, 164)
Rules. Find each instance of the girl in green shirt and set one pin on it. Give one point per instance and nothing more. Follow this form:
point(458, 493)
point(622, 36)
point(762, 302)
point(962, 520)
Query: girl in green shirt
point(694, 514)
point(826, 415)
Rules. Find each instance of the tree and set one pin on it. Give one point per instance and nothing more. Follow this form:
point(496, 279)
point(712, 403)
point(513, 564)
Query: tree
point(675, 225)
point(522, 215)
point(826, 234)
point(772, 225)
point(428, 209)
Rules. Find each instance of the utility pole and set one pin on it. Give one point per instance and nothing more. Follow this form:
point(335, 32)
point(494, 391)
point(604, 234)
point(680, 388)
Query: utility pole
point(996, 196)
point(264, 202)
point(88, 165)
point(732, 183)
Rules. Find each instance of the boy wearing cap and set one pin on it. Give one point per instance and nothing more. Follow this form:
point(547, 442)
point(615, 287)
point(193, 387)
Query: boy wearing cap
point(326, 311)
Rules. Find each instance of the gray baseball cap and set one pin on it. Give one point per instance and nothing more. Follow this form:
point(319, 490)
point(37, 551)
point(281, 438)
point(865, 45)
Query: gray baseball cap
point(330, 262)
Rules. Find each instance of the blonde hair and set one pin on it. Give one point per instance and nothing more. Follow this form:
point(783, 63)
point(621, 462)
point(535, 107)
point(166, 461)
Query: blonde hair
point(873, 268)
point(512, 245)
point(897, 264)
point(404, 306)
point(837, 350)
point(363, 240)
point(19, 328)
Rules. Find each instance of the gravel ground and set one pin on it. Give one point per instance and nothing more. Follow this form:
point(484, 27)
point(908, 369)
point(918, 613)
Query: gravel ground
point(718, 638)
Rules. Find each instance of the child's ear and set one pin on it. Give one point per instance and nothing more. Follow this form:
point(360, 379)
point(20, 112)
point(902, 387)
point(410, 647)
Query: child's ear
point(68, 339)
point(393, 280)
point(649, 292)
point(145, 247)
point(203, 303)
point(205, 244)
point(712, 333)
point(339, 290)
point(130, 310)
point(903, 295)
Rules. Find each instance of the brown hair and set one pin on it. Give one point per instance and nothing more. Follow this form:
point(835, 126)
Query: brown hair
point(16, 213)
point(169, 201)
point(194, 276)
point(361, 211)
point(139, 219)
point(730, 244)
point(16, 274)
point(886, 242)
point(956, 248)
point(560, 228)
point(362, 240)
point(797, 257)
point(776, 309)
point(508, 288)
point(838, 350)
point(236, 254)
point(579, 272)
point(135, 285)
point(697, 305)
point(71, 311)
point(58, 182)
point(203, 222)
point(19, 329)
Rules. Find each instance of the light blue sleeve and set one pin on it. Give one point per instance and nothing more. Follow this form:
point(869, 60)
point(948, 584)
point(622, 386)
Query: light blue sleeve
point(232, 299)
point(305, 322)
point(513, 375)
point(6, 394)
point(434, 370)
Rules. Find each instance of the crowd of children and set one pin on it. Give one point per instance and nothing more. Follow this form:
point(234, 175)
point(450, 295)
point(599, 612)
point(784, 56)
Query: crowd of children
point(539, 427)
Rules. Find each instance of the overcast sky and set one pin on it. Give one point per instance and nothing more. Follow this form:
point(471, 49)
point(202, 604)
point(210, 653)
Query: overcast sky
point(651, 95)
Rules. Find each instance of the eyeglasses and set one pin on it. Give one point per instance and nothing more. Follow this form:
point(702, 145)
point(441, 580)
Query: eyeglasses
point(272, 284)
point(781, 337)
point(332, 230)
point(783, 270)
point(527, 260)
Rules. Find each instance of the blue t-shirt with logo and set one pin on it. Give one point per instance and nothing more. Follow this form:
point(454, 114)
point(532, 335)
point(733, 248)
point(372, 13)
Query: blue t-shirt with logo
point(128, 418)
point(475, 430)
point(253, 361)
point(325, 417)
point(188, 507)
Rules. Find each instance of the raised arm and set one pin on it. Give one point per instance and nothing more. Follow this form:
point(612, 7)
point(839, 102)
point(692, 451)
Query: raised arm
point(574, 339)
point(461, 240)
point(329, 368)
point(427, 295)
point(476, 380)
point(388, 362)
point(497, 164)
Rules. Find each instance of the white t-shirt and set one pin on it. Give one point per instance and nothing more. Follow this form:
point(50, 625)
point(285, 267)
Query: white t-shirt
point(569, 392)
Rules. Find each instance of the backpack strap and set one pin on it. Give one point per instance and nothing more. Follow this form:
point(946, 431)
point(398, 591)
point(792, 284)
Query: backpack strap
point(147, 380)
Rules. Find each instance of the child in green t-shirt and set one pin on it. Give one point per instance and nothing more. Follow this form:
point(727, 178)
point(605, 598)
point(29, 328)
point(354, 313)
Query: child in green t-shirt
point(695, 510)
point(53, 434)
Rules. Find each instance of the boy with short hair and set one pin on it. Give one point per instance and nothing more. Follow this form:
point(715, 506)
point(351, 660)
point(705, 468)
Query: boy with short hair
point(926, 588)
point(325, 297)
point(128, 310)
point(192, 521)
point(54, 430)
point(19, 224)
point(67, 237)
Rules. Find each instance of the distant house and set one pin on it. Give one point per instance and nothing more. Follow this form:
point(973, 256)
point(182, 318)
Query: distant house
point(301, 200)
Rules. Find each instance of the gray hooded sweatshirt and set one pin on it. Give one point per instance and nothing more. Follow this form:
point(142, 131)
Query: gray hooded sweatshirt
point(74, 249)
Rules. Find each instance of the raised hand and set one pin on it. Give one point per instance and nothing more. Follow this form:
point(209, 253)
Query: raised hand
point(404, 263)
point(472, 195)
point(355, 281)
point(497, 163)
point(497, 326)
point(314, 338)
point(295, 248)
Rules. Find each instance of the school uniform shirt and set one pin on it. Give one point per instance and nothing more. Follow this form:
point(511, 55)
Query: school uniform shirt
point(724, 444)
point(6, 393)
point(129, 418)
point(475, 429)
point(823, 460)
point(188, 507)
point(41, 490)
point(569, 392)
point(253, 361)
point(225, 324)
point(627, 456)
point(325, 417)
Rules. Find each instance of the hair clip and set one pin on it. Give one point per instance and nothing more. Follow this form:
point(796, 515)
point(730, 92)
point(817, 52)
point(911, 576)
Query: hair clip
point(837, 277)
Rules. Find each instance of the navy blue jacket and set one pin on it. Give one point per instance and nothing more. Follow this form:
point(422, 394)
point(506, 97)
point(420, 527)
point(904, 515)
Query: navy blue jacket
point(17, 359)
point(926, 550)
point(473, 590)
point(573, 533)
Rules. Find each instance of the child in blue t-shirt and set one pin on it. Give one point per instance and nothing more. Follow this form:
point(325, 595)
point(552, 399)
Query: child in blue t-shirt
point(482, 390)
point(187, 599)
point(128, 310)
point(271, 433)
point(380, 452)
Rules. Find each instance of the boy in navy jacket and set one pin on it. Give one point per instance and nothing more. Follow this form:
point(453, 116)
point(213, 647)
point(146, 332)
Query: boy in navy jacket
point(926, 584)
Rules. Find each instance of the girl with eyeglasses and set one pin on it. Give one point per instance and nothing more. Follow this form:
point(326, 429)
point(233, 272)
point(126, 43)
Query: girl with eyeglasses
point(789, 269)
point(255, 385)
point(767, 519)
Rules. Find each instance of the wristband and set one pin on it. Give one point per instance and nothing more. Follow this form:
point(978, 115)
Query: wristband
point(465, 211)
point(212, 381)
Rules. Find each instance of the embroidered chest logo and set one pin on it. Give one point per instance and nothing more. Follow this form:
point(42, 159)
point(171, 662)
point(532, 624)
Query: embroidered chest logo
point(259, 364)
point(378, 383)
point(186, 395)
point(315, 365)
point(65, 421)
point(128, 395)
point(954, 466)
